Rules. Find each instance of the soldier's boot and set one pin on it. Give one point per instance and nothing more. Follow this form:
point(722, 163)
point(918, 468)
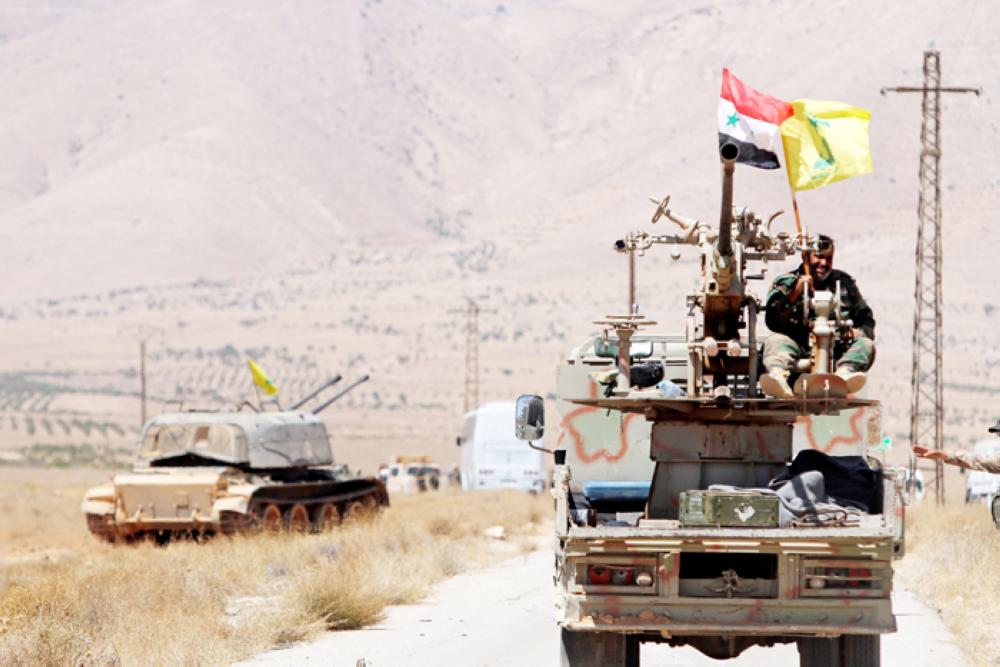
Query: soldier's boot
point(854, 378)
point(775, 383)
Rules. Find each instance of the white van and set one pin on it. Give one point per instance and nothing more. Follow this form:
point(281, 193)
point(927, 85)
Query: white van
point(981, 485)
point(492, 458)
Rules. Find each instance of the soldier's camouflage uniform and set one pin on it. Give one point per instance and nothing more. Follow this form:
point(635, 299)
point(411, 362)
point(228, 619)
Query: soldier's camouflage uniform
point(987, 463)
point(789, 339)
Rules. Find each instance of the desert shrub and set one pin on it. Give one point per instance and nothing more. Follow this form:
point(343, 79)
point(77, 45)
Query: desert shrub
point(952, 557)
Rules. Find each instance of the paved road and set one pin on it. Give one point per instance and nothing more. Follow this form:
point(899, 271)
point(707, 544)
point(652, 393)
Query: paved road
point(504, 616)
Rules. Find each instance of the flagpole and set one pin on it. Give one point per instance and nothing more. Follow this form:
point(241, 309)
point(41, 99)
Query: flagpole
point(260, 403)
point(798, 229)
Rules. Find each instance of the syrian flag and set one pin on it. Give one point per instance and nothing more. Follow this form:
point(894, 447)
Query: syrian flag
point(751, 120)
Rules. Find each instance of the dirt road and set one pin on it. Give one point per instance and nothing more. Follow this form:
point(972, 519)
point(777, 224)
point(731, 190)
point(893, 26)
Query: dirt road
point(504, 616)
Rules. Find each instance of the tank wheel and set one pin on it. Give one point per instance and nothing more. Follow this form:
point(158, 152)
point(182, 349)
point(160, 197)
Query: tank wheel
point(270, 518)
point(371, 503)
point(101, 526)
point(355, 510)
point(595, 649)
point(233, 523)
point(297, 519)
point(326, 518)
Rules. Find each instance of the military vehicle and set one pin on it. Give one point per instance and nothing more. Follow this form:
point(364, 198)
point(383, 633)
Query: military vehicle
point(412, 474)
point(201, 473)
point(666, 528)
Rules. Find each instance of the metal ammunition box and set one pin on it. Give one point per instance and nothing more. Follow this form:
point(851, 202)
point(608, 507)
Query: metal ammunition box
point(728, 508)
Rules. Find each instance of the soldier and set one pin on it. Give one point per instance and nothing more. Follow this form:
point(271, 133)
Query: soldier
point(989, 463)
point(789, 340)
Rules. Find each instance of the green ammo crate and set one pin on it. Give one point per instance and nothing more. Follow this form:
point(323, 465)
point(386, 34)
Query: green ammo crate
point(731, 509)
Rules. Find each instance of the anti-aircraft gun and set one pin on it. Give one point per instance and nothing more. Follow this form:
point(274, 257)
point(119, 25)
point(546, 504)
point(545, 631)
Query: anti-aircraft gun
point(705, 553)
point(201, 473)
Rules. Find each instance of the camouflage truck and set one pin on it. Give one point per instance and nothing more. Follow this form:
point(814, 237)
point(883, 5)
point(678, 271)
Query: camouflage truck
point(199, 474)
point(646, 549)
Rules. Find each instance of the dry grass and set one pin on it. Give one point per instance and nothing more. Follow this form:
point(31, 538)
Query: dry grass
point(229, 599)
point(952, 563)
point(41, 509)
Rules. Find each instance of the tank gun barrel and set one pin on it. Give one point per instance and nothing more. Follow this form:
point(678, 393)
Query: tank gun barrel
point(315, 392)
point(361, 380)
point(724, 244)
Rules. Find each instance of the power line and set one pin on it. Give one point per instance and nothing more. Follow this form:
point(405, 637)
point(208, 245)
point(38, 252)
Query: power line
point(927, 387)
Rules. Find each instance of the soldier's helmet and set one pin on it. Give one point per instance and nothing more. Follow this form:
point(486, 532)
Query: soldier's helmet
point(996, 427)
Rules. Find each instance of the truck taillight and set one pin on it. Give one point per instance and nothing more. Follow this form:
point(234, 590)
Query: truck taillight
point(840, 578)
point(622, 576)
point(614, 575)
point(858, 575)
point(598, 575)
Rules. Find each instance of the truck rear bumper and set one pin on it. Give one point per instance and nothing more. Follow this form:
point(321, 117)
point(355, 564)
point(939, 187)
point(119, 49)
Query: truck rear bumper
point(729, 616)
point(759, 582)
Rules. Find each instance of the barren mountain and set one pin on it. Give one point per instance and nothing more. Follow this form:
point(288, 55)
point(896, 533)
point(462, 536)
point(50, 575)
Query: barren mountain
point(323, 184)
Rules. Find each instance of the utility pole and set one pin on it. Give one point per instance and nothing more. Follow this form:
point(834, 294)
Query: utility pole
point(927, 394)
point(142, 333)
point(472, 357)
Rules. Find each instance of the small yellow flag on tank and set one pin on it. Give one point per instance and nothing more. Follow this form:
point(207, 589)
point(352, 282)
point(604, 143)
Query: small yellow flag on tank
point(260, 378)
point(825, 142)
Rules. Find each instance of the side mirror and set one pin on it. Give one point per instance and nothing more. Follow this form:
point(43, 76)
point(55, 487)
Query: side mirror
point(529, 418)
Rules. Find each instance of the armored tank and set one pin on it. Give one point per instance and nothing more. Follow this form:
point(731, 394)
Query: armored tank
point(683, 514)
point(201, 473)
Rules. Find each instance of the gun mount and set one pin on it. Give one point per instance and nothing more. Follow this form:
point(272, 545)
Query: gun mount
point(723, 354)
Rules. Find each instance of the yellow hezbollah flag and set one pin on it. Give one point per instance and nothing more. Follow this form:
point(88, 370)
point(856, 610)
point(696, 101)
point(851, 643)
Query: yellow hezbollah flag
point(825, 142)
point(260, 378)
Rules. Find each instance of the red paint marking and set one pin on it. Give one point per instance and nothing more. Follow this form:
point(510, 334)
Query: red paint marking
point(852, 439)
point(755, 614)
point(762, 447)
point(567, 426)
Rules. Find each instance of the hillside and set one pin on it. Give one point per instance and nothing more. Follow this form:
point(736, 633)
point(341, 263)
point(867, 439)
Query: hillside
point(323, 185)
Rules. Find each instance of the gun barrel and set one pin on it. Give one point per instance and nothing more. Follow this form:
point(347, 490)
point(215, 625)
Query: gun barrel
point(728, 153)
point(364, 378)
point(315, 392)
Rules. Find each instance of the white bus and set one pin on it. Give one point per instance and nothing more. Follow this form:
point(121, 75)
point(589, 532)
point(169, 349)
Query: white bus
point(492, 458)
